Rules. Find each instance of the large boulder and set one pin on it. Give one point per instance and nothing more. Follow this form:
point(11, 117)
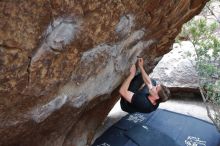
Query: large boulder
point(62, 61)
point(177, 70)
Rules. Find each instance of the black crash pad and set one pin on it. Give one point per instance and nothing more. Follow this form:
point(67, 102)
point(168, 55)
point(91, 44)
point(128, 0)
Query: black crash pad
point(159, 128)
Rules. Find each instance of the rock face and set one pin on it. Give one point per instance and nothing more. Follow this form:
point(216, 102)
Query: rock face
point(62, 61)
point(177, 71)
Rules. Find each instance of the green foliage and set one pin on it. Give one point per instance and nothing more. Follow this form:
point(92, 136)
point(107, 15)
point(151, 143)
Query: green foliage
point(213, 26)
point(202, 34)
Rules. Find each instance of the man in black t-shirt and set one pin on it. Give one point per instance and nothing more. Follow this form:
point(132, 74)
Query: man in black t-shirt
point(140, 93)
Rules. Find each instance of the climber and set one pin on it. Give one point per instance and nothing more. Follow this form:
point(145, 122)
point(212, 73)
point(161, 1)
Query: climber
point(140, 93)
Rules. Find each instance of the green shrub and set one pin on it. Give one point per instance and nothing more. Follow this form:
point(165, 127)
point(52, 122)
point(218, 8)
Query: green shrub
point(207, 47)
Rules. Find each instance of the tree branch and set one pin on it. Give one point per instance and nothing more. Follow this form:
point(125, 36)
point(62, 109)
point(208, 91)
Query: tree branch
point(211, 11)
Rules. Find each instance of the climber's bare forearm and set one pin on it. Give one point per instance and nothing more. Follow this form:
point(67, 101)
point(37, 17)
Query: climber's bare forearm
point(145, 77)
point(124, 88)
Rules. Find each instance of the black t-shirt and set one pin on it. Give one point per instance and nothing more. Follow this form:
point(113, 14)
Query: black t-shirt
point(139, 102)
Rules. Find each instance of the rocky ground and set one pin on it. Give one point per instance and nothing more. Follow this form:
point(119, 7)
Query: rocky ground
point(192, 107)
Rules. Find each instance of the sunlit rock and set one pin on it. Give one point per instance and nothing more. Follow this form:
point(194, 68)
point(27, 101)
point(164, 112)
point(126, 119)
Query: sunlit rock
point(177, 69)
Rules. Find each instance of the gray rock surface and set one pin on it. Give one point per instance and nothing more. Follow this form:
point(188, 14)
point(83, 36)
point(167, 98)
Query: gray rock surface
point(177, 68)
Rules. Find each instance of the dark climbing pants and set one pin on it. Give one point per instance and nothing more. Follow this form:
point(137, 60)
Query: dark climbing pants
point(139, 101)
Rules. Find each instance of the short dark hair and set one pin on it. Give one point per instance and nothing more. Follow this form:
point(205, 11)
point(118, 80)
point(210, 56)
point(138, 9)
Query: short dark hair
point(164, 93)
